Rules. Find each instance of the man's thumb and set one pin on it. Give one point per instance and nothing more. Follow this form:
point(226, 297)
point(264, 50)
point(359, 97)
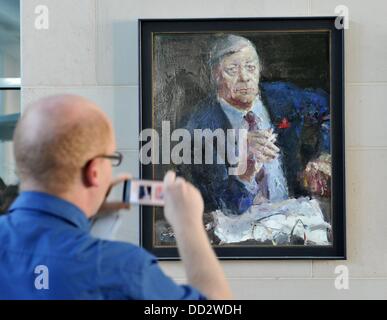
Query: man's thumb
point(169, 178)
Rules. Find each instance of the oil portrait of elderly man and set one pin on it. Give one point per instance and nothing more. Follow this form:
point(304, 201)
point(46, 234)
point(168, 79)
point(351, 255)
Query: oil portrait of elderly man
point(276, 87)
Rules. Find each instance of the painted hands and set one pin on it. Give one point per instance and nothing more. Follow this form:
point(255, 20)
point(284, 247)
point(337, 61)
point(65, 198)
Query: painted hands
point(261, 149)
point(262, 144)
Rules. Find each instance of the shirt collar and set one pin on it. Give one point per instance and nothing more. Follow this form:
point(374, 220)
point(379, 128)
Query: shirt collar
point(229, 109)
point(52, 205)
point(235, 115)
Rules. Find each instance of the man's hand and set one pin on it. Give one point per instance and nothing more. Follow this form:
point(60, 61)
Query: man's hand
point(183, 202)
point(112, 207)
point(262, 144)
point(252, 168)
point(261, 149)
point(184, 211)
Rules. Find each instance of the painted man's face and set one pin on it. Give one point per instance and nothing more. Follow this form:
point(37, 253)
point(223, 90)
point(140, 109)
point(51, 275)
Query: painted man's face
point(238, 76)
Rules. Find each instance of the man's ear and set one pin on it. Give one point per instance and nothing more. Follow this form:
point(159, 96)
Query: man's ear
point(216, 74)
point(91, 174)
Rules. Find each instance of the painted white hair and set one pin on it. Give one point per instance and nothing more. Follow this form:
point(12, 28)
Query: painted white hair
point(227, 44)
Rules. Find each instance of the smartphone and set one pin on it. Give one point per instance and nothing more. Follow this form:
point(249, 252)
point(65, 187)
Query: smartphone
point(144, 192)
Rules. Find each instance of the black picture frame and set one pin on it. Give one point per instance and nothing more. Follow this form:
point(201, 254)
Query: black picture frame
point(148, 27)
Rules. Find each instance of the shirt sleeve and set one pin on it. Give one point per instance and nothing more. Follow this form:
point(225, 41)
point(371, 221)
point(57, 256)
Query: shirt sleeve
point(154, 284)
point(142, 279)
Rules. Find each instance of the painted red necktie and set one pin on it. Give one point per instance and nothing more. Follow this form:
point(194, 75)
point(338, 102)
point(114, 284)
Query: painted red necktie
point(261, 177)
point(252, 120)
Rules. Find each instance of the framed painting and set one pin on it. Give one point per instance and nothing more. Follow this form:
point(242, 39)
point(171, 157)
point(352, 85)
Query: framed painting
point(250, 111)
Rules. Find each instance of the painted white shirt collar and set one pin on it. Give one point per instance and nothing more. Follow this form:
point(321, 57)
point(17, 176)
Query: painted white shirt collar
point(236, 116)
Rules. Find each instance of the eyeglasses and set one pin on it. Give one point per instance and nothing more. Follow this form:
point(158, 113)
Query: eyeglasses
point(115, 158)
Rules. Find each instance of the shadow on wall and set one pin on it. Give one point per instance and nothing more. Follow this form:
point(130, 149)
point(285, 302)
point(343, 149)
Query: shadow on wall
point(7, 195)
point(117, 60)
point(124, 36)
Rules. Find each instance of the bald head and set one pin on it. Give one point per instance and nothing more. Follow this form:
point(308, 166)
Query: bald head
point(55, 138)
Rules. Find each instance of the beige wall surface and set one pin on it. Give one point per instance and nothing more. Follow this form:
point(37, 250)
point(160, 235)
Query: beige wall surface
point(90, 48)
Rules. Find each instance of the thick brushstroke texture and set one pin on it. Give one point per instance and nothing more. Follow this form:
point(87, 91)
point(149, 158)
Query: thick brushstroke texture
point(294, 87)
point(304, 109)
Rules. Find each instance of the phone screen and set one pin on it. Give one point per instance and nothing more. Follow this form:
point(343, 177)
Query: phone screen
point(144, 192)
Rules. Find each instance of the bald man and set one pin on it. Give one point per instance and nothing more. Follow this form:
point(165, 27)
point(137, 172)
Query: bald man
point(64, 149)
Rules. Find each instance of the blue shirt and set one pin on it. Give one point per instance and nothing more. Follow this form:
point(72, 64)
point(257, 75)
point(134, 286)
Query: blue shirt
point(47, 252)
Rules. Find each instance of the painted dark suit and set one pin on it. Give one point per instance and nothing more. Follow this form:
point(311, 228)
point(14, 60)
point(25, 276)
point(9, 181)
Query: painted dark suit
point(300, 117)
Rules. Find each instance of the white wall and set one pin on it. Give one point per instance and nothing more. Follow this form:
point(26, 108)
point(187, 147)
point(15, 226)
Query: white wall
point(91, 49)
point(9, 68)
